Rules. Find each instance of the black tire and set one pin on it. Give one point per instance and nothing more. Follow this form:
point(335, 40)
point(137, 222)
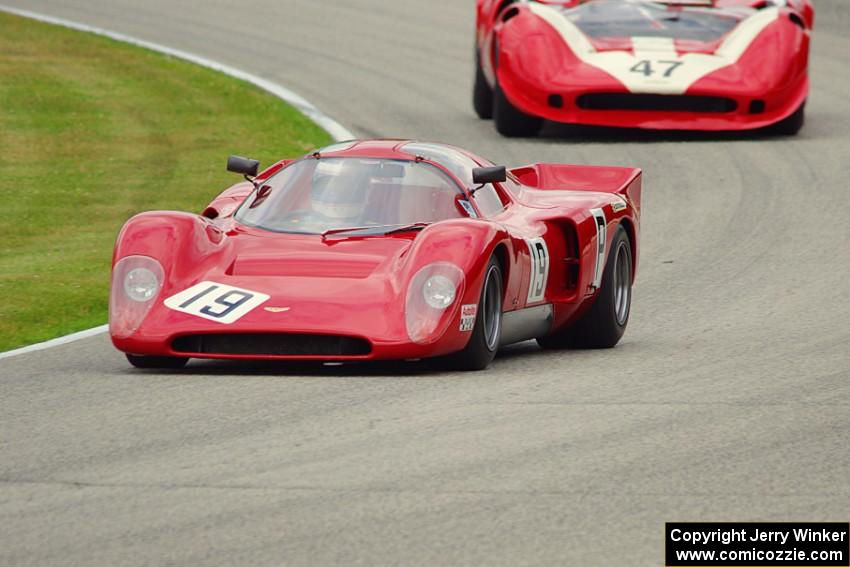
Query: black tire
point(161, 362)
point(511, 122)
point(604, 323)
point(484, 342)
point(482, 93)
point(792, 125)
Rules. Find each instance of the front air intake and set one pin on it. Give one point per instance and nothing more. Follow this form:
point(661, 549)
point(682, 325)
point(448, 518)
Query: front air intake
point(271, 344)
point(656, 103)
point(757, 107)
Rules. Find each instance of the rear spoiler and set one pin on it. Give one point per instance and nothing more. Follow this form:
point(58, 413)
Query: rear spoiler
point(623, 181)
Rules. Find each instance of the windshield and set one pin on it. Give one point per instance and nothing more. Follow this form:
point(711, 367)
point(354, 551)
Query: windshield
point(314, 196)
point(616, 18)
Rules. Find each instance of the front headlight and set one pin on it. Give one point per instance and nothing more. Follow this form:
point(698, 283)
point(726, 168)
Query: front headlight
point(439, 292)
point(141, 284)
point(432, 291)
point(136, 283)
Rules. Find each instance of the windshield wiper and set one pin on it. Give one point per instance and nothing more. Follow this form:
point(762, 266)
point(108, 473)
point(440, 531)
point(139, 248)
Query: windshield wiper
point(408, 227)
point(393, 228)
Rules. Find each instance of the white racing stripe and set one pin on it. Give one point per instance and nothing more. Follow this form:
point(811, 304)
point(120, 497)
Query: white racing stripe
point(337, 131)
point(655, 66)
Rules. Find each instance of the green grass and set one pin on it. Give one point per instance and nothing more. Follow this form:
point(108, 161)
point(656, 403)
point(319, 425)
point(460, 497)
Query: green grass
point(93, 131)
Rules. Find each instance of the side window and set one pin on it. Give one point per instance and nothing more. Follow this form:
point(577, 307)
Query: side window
point(488, 201)
point(448, 157)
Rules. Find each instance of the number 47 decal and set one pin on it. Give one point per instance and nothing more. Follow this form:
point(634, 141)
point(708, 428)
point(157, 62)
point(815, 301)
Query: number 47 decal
point(649, 68)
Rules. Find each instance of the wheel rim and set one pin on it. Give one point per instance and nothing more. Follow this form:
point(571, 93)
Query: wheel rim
point(491, 309)
point(622, 284)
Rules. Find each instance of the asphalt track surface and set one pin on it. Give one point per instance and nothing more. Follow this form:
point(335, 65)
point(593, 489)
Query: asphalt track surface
point(729, 398)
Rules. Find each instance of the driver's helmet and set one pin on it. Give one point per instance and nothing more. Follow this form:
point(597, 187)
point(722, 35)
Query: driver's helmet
point(338, 189)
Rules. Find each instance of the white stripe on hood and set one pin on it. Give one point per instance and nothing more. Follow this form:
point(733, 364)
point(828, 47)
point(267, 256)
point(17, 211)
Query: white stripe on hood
point(655, 66)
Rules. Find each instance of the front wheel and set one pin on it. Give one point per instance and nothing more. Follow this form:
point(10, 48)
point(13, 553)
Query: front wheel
point(161, 362)
point(482, 93)
point(484, 342)
point(792, 125)
point(511, 121)
point(604, 323)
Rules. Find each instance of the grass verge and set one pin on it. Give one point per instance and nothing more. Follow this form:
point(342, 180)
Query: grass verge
point(93, 131)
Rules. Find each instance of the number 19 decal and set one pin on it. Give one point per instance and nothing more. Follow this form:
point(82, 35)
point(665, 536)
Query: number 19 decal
point(216, 302)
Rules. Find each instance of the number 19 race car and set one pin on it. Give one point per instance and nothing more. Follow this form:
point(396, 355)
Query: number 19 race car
point(656, 64)
point(381, 249)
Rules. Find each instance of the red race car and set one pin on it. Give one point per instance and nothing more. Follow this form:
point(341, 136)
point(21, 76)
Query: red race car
point(658, 64)
point(381, 249)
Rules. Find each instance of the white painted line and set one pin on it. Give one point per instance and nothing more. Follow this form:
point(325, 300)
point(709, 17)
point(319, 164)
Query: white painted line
point(56, 342)
point(337, 131)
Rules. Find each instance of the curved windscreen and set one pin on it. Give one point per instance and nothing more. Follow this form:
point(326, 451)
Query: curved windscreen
point(624, 19)
point(313, 196)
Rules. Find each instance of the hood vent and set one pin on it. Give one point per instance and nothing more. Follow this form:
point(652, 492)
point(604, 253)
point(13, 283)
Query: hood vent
point(326, 265)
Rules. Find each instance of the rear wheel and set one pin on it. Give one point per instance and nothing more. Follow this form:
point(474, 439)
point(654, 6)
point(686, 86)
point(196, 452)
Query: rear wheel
point(511, 121)
point(484, 342)
point(161, 362)
point(604, 323)
point(792, 125)
point(482, 93)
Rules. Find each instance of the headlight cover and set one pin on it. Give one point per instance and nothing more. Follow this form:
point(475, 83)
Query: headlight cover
point(136, 283)
point(432, 291)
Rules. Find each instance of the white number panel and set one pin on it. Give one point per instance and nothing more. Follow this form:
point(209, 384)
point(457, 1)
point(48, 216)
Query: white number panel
point(601, 242)
point(217, 302)
point(539, 269)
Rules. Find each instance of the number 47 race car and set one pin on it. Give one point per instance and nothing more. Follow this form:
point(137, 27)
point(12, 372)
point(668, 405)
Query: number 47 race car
point(657, 64)
point(381, 249)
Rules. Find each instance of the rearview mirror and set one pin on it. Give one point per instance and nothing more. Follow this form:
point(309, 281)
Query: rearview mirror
point(245, 166)
point(484, 175)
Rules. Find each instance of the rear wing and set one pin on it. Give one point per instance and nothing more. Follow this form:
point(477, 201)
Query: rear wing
point(624, 181)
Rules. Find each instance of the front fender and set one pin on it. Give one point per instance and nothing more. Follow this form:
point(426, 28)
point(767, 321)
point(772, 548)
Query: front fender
point(465, 244)
point(774, 63)
point(179, 241)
